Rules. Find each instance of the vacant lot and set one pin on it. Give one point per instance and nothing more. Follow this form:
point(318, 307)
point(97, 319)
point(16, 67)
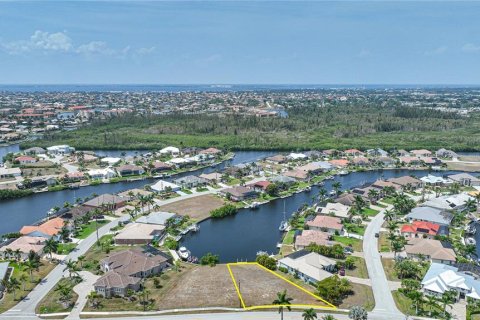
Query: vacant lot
point(197, 208)
point(362, 296)
point(464, 166)
point(260, 287)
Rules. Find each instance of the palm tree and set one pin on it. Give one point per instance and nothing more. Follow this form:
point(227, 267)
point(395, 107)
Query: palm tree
point(282, 301)
point(13, 285)
point(309, 314)
point(417, 299)
point(80, 259)
point(337, 185)
point(72, 268)
point(432, 302)
point(23, 279)
point(372, 195)
point(388, 215)
point(470, 205)
point(447, 299)
point(50, 247)
point(18, 254)
point(65, 291)
point(322, 193)
point(94, 298)
point(328, 317)
point(8, 253)
point(30, 266)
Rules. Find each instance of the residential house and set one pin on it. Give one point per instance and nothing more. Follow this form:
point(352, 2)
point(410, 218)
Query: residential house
point(411, 161)
point(212, 178)
point(316, 167)
point(130, 169)
point(60, 150)
point(190, 182)
point(432, 250)
point(307, 237)
point(106, 201)
point(23, 160)
point(111, 161)
point(420, 229)
point(385, 161)
point(278, 159)
point(296, 156)
point(449, 202)
point(50, 227)
point(139, 233)
point(444, 153)
point(74, 176)
point(441, 278)
point(159, 218)
point(377, 152)
point(311, 267)
point(432, 180)
point(164, 186)
point(429, 214)
point(465, 179)
point(211, 151)
point(260, 186)
point(159, 166)
point(339, 163)
point(173, 151)
point(337, 209)
point(239, 193)
point(353, 152)
point(26, 244)
point(360, 161)
point(332, 225)
point(421, 153)
point(6, 173)
point(96, 174)
point(34, 151)
point(297, 174)
point(406, 182)
point(114, 284)
point(280, 179)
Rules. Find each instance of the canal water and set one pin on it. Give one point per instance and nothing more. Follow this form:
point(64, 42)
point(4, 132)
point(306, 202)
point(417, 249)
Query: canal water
point(19, 212)
point(240, 237)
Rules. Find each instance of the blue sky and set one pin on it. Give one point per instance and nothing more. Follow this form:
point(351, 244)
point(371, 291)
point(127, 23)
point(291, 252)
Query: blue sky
point(294, 42)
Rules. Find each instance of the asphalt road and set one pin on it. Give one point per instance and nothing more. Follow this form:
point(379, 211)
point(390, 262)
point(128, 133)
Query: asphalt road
point(384, 303)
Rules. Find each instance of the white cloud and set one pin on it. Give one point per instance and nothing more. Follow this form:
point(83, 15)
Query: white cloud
point(145, 51)
point(436, 51)
point(470, 47)
point(95, 48)
point(42, 41)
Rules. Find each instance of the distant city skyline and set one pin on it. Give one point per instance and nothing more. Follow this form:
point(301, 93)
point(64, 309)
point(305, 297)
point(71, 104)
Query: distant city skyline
point(244, 42)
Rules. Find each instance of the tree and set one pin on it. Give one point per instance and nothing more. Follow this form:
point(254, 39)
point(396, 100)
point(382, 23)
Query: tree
point(309, 314)
point(447, 299)
point(72, 268)
point(209, 259)
point(417, 299)
point(388, 215)
point(267, 262)
point(350, 263)
point(328, 317)
point(272, 190)
point(50, 247)
point(31, 266)
point(337, 185)
point(23, 279)
point(282, 301)
point(358, 313)
point(12, 285)
point(407, 269)
point(94, 299)
point(80, 260)
point(65, 291)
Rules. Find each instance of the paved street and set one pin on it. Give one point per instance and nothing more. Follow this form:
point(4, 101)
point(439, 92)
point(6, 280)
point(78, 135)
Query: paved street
point(384, 303)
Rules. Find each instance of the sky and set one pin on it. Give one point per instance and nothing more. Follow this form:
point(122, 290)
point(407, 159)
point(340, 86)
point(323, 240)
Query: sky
point(239, 42)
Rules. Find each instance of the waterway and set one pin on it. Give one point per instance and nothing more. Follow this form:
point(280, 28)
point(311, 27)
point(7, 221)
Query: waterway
point(241, 236)
point(19, 212)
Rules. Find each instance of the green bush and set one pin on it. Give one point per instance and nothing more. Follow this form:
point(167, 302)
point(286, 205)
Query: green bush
point(226, 210)
point(266, 261)
point(209, 259)
point(170, 243)
point(6, 194)
point(283, 269)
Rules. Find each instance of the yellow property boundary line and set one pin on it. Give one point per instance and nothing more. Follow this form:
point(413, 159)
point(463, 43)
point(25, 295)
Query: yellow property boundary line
point(328, 307)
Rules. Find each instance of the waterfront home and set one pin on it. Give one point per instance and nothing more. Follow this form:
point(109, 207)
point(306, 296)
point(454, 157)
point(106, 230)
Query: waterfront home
point(77, 212)
point(441, 278)
point(385, 161)
point(74, 176)
point(99, 174)
point(212, 178)
point(316, 167)
point(85, 157)
point(339, 163)
point(179, 162)
point(165, 186)
point(25, 244)
point(423, 229)
point(360, 161)
point(429, 161)
point(332, 225)
point(402, 153)
point(114, 284)
point(135, 263)
point(173, 151)
point(307, 237)
point(111, 161)
point(411, 161)
point(139, 233)
point(34, 151)
point(281, 179)
point(159, 218)
point(191, 150)
point(444, 153)
point(314, 154)
point(259, 186)
point(432, 180)
point(191, 181)
point(106, 201)
point(311, 267)
point(465, 179)
point(421, 153)
point(239, 193)
point(130, 169)
point(336, 209)
point(406, 182)
point(277, 159)
point(297, 174)
point(430, 214)
point(296, 156)
point(377, 152)
point(6, 173)
point(211, 151)
point(4, 275)
point(381, 184)
point(50, 227)
point(159, 166)
point(353, 152)
point(431, 250)
point(23, 160)
point(60, 150)
point(348, 199)
point(448, 202)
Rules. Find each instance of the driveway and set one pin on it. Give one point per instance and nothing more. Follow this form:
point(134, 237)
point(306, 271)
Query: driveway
point(384, 303)
point(82, 289)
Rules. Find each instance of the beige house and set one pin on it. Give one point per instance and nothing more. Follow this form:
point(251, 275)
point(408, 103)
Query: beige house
point(432, 250)
point(139, 233)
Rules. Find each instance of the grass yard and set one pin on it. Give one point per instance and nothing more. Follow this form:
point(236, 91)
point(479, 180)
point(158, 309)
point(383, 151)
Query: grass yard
point(65, 248)
point(360, 270)
point(356, 244)
point(89, 228)
point(355, 228)
point(362, 296)
point(26, 286)
point(233, 182)
point(383, 242)
point(97, 253)
point(197, 208)
point(388, 200)
point(186, 191)
point(289, 237)
point(51, 302)
point(404, 304)
point(389, 267)
point(370, 212)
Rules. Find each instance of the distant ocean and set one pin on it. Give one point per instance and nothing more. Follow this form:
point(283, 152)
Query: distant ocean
point(208, 87)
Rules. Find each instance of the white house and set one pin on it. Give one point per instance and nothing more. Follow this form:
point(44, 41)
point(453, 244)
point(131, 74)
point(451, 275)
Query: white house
point(170, 150)
point(296, 156)
point(111, 160)
point(60, 150)
point(10, 172)
point(106, 173)
point(162, 186)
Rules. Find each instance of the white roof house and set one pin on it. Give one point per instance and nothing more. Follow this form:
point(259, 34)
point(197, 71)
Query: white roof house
point(60, 149)
point(296, 156)
point(159, 218)
point(10, 172)
point(429, 214)
point(431, 179)
point(337, 209)
point(310, 266)
point(162, 185)
point(440, 278)
point(177, 161)
point(170, 150)
point(106, 173)
point(448, 202)
point(111, 160)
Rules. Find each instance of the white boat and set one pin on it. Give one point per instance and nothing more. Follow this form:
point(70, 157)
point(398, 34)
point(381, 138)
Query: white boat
point(254, 205)
point(284, 224)
point(470, 241)
point(343, 173)
point(307, 189)
point(332, 193)
point(329, 178)
point(184, 253)
point(262, 253)
point(51, 212)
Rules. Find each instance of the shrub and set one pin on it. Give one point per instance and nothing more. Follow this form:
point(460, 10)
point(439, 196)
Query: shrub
point(283, 269)
point(209, 259)
point(226, 210)
point(170, 243)
point(266, 261)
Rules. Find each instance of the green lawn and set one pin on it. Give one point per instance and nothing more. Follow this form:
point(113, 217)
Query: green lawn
point(370, 212)
point(389, 267)
point(355, 243)
point(404, 304)
point(233, 182)
point(288, 239)
point(187, 191)
point(65, 248)
point(355, 228)
point(388, 200)
point(51, 302)
point(383, 242)
point(89, 228)
point(360, 270)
